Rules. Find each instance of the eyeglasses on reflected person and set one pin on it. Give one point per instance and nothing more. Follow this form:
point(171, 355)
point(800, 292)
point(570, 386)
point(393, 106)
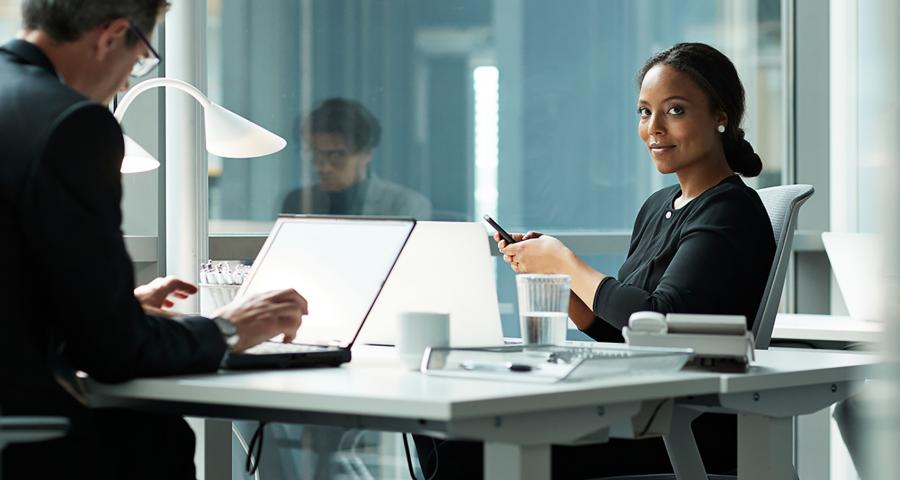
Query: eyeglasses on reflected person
point(145, 64)
point(335, 157)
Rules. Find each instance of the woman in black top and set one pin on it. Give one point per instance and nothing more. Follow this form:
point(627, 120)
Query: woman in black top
point(702, 246)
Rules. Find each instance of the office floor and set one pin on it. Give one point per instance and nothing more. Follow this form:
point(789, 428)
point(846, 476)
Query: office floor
point(313, 452)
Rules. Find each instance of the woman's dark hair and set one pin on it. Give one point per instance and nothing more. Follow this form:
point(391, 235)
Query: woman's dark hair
point(714, 73)
point(349, 119)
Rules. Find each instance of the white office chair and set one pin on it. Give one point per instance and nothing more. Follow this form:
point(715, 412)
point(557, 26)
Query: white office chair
point(783, 205)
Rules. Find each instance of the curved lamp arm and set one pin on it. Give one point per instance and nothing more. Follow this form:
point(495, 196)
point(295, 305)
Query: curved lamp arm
point(227, 133)
point(157, 83)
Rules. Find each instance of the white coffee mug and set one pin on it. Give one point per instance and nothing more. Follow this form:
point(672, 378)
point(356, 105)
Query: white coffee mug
point(418, 330)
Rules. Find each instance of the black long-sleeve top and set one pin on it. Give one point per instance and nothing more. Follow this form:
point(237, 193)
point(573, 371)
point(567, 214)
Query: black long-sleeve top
point(712, 255)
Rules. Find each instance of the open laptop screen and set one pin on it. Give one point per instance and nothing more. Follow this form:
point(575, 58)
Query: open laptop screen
point(338, 264)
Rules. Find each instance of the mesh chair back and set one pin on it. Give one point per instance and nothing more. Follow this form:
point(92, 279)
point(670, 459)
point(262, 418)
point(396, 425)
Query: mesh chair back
point(783, 204)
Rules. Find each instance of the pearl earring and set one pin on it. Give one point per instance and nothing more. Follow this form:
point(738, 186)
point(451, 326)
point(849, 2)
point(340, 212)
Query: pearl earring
point(721, 128)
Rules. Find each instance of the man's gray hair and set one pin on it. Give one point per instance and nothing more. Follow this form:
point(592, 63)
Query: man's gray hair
point(68, 20)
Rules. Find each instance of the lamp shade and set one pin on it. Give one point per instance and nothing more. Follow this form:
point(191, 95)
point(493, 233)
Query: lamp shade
point(231, 135)
point(137, 159)
point(227, 133)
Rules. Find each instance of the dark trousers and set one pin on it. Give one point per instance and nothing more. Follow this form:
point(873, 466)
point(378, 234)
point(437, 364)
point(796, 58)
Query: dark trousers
point(716, 436)
point(108, 444)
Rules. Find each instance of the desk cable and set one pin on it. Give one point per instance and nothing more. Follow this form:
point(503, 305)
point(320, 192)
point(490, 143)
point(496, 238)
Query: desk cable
point(243, 442)
point(256, 443)
point(652, 417)
point(409, 465)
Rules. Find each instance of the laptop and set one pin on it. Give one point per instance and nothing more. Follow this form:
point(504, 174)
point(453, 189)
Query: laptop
point(339, 264)
point(858, 268)
point(444, 267)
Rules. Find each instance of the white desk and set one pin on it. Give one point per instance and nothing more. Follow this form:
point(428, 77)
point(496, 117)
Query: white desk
point(518, 422)
point(815, 430)
point(833, 328)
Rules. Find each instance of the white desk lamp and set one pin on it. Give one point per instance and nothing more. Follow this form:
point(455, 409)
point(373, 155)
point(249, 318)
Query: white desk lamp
point(137, 159)
point(227, 133)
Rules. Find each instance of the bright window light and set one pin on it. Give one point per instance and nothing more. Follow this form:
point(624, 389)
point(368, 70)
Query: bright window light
point(486, 83)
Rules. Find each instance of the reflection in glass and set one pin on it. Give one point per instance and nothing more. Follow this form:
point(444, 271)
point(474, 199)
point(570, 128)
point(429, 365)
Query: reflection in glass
point(340, 136)
point(514, 107)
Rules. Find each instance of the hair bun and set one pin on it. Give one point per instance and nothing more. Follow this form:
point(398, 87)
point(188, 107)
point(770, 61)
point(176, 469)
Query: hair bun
point(740, 155)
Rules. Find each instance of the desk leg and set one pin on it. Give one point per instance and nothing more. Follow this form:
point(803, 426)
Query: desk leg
point(765, 447)
point(217, 449)
point(813, 444)
point(519, 462)
point(682, 447)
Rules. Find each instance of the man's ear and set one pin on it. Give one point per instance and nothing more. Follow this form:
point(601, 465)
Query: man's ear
point(366, 159)
point(110, 36)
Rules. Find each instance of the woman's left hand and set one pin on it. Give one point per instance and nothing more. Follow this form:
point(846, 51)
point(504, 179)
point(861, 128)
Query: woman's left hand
point(544, 254)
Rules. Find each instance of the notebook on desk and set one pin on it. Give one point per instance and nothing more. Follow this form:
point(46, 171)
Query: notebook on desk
point(339, 264)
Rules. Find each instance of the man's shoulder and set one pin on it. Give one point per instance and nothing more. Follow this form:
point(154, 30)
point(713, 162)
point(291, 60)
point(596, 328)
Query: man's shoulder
point(25, 85)
point(380, 186)
point(35, 108)
point(34, 102)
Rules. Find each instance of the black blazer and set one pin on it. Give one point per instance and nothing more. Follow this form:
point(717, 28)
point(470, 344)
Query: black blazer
point(66, 298)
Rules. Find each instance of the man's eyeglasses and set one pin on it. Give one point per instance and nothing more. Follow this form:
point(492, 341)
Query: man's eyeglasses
point(335, 157)
point(144, 65)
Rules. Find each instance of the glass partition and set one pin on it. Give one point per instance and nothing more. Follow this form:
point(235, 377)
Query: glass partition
point(523, 109)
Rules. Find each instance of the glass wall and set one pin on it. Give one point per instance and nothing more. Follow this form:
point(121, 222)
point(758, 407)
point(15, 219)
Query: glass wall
point(447, 110)
point(10, 18)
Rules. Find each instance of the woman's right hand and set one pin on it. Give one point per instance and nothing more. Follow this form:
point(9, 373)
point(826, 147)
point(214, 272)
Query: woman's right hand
point(518, 237)
point(501, 243)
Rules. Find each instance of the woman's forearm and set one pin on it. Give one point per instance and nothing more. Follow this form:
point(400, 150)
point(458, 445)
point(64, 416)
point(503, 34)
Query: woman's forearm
point(580, 313)
point(585, 281)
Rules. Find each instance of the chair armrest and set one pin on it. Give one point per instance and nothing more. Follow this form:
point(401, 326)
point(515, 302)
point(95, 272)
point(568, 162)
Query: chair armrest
point(31, 429)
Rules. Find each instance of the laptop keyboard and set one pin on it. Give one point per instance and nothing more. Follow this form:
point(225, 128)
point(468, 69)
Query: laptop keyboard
point(266, 348)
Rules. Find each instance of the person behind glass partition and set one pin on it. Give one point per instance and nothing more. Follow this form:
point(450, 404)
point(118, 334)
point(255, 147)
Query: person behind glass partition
point(704, 245)
point(340, 135)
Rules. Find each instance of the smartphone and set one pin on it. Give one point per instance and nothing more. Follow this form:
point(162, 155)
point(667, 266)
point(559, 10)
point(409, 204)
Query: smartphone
point(496, 226)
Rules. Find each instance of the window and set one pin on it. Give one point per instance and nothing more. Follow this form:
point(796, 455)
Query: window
point(524, 109)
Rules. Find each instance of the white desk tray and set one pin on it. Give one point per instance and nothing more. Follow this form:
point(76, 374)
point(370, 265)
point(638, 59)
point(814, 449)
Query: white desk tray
point(550, 363)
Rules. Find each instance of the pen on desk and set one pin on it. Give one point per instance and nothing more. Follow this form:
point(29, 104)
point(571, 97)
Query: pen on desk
point(495, 366)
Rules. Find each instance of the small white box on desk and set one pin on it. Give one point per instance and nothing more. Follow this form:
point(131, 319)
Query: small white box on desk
point(718, 341)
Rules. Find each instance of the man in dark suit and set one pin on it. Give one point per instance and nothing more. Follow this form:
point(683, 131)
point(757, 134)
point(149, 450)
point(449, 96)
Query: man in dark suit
point(68, 294)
